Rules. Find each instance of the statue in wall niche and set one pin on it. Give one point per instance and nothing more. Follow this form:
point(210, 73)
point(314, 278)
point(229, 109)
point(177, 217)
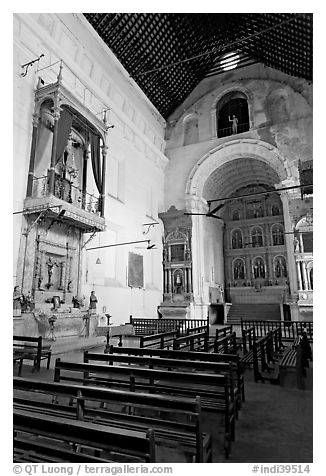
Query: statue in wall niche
point(50, 264)
point(234, 121)
point(178, 283)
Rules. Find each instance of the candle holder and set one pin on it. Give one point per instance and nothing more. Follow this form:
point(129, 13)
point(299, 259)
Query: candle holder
point(51, 334)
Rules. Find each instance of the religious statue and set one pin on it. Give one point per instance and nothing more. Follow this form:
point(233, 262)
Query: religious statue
point(50, 264)
point(178, 283)
point(17, 301)
point(234, 121)
point(296, 245)
point(92, 301)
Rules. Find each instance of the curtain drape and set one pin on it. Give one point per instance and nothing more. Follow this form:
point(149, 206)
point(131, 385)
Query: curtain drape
point(64, 128)
point(96, 160)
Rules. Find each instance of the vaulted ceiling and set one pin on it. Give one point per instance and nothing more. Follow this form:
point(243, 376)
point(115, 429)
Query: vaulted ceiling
point(168, 54)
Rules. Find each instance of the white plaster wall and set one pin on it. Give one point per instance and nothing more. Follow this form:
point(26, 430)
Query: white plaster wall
point(136, 143)
point(291, 135)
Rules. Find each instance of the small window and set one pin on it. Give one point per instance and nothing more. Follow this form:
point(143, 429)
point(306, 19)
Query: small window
point(235, 215)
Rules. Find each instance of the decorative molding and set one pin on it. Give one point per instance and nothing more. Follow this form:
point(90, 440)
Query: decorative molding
point(234, 149)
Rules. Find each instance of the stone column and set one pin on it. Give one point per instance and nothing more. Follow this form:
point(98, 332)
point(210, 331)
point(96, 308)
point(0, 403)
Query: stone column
point(288, 227)
point(196, 205)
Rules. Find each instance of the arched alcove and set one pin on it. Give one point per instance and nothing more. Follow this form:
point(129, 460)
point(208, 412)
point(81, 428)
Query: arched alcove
point(232, 115)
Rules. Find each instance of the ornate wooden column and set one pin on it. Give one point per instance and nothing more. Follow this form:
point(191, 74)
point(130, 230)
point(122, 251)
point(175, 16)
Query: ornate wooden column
point(36, 120)
point(84, 183)
point(56, 116)
point(104, 153)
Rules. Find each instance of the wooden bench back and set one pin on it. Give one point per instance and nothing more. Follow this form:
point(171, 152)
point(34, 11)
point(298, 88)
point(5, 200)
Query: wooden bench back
point(122, 441)
point(248, 337)
point(160, 362)
point(107, 395)
point(196, 330)
point(198, 341)
point(33, 343)
point(142, 373)
point(175, 354)
point(161, 340)
point(226, 344)
point(186, 412)
point(223, 331)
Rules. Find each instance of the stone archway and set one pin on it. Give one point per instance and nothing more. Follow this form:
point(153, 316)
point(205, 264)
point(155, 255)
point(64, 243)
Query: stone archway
point(213, 161)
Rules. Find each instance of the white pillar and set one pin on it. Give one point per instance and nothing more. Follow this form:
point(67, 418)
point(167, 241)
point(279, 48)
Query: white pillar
point(300, 286)
point(289, 226)
point(304, 274)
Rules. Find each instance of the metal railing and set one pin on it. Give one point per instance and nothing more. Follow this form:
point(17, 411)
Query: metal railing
point(147, 326)
point(66, 191)
point(227, 131)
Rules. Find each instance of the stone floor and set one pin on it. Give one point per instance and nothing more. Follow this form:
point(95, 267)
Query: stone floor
point(275, 424)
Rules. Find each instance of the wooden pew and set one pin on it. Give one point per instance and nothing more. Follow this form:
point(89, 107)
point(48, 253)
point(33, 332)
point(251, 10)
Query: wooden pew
point(193, 342)
point(186, 355)
point(197, 330)
point(224, 331)
point(295, 360)
point(177, 422)
point(248, 338)
point(215, 390)
point(160, 341)
point(173, 364)
point(44, 438)
point(226, 344)
point(30, 348)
